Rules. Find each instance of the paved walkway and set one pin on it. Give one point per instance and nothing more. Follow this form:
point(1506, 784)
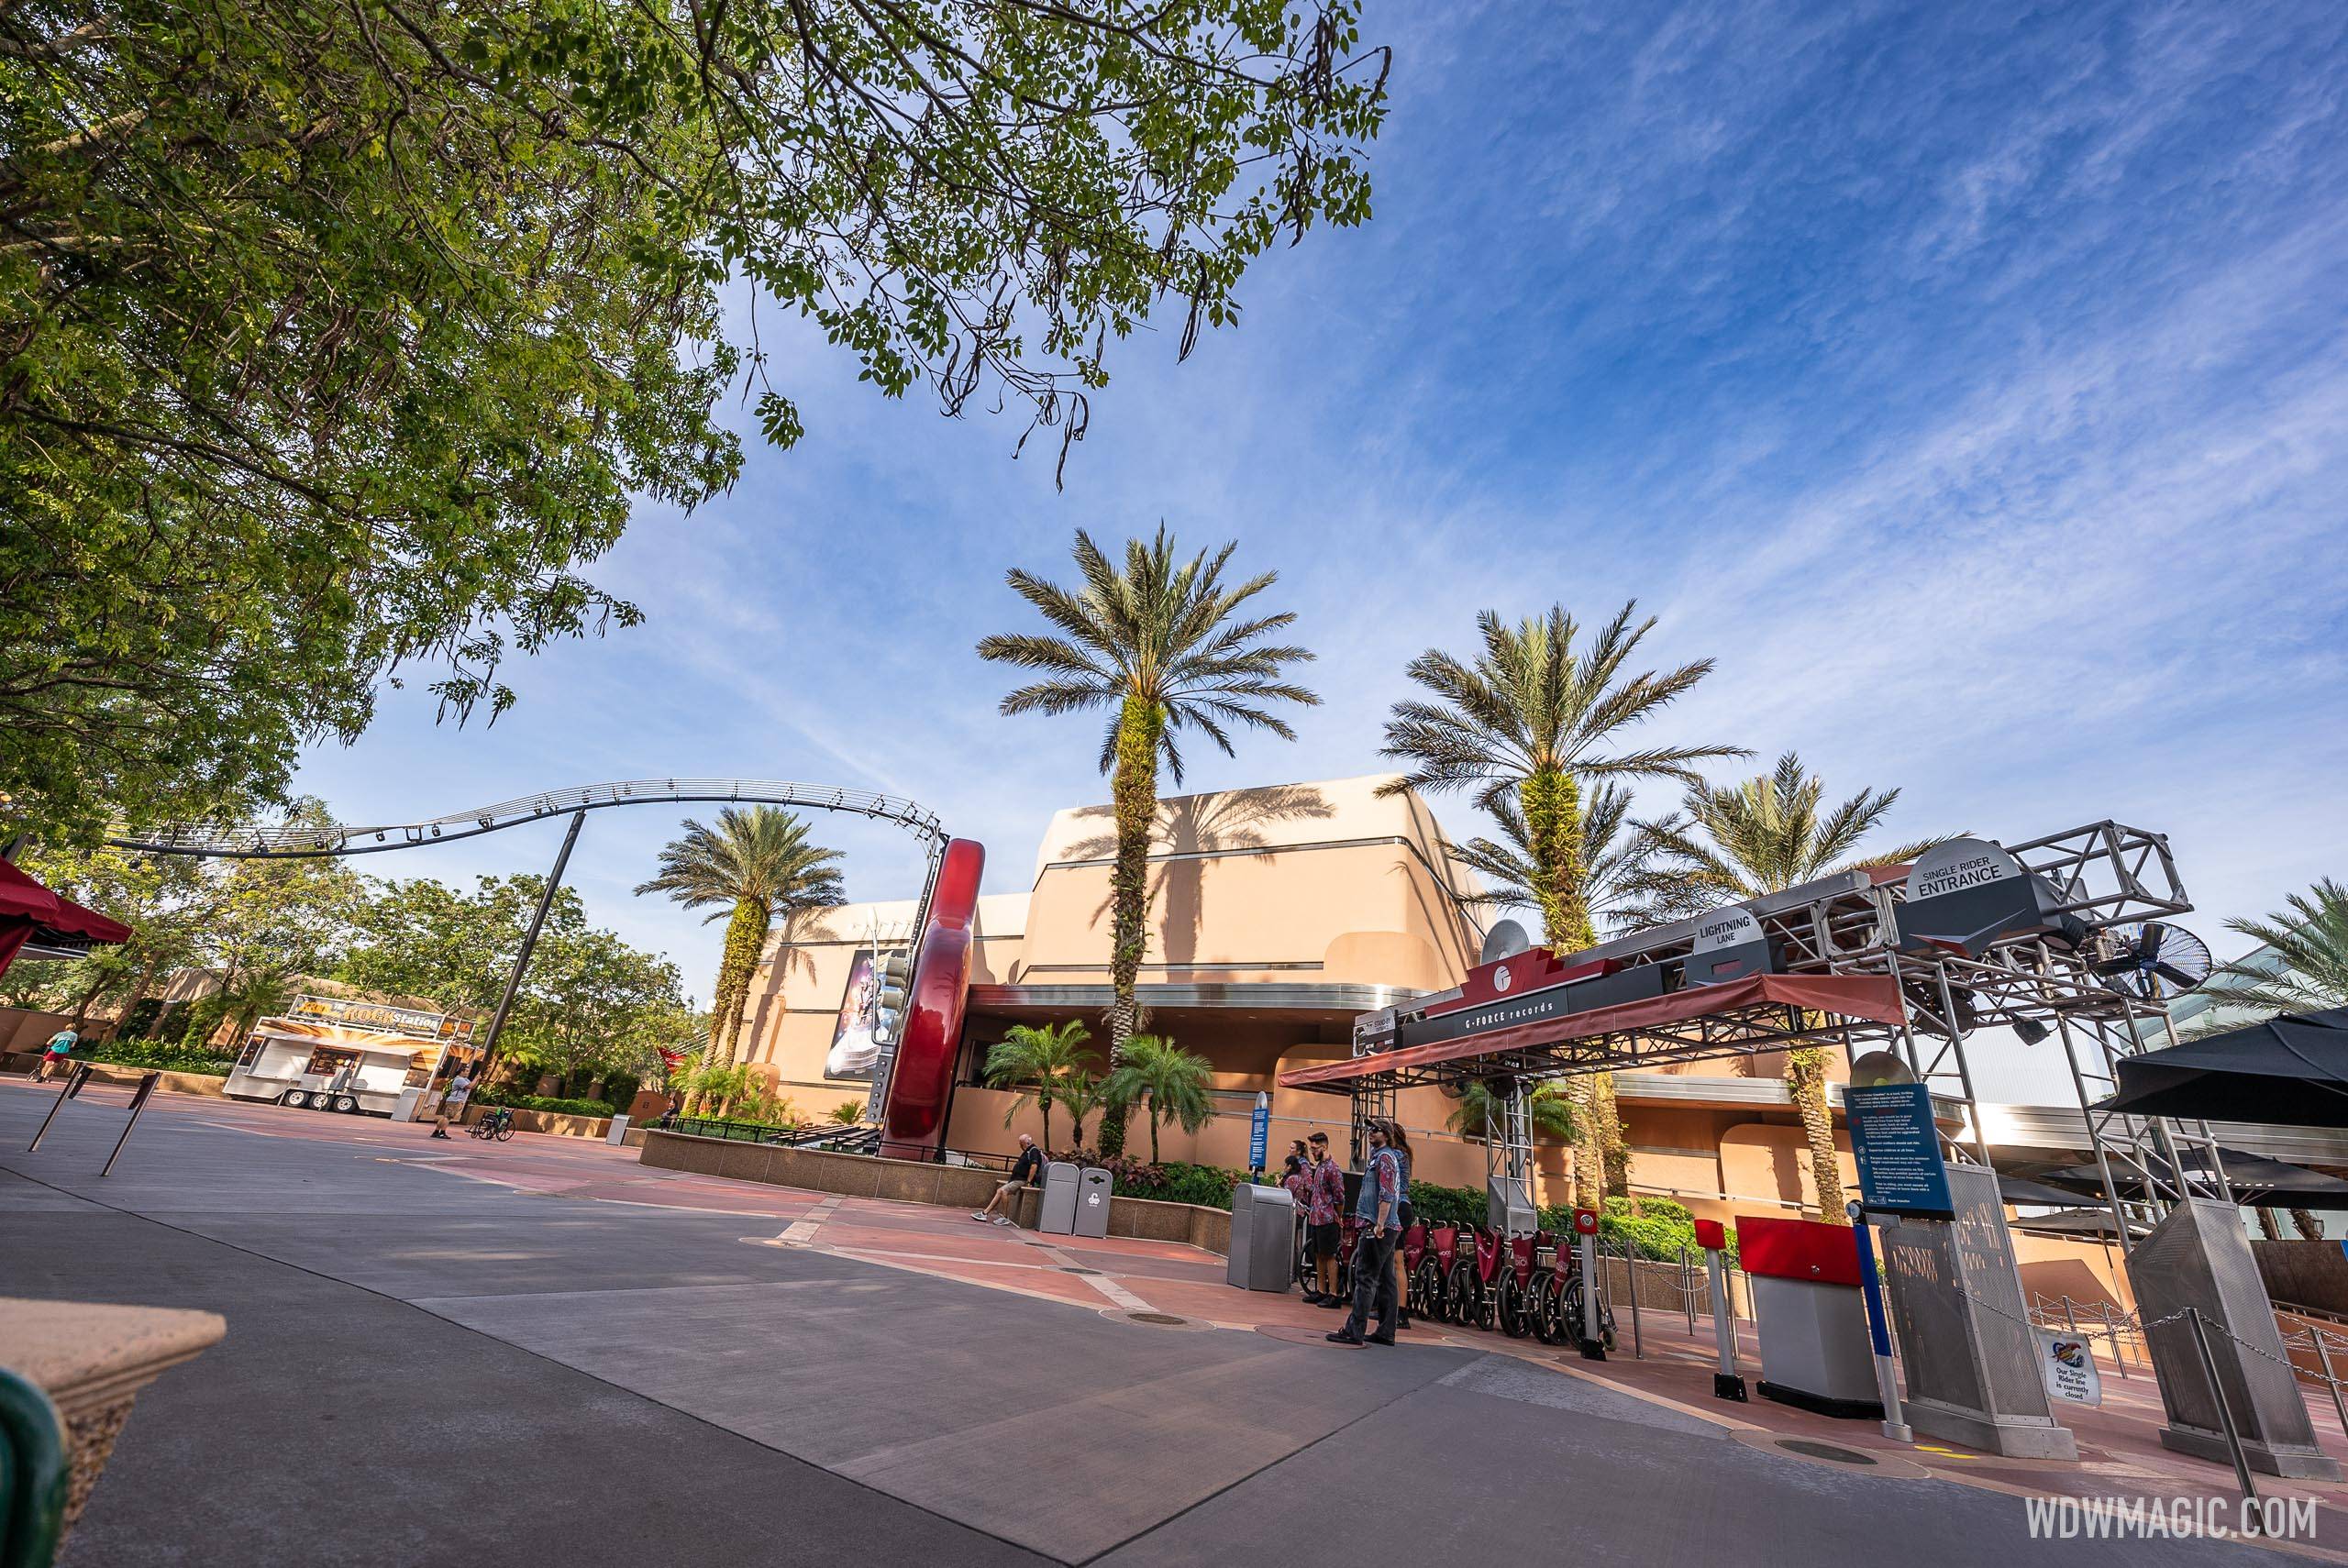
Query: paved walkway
point(543, 1350)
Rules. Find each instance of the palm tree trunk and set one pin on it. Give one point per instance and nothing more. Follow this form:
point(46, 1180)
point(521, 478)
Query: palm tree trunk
point(2310, 1228)
point(745, 941)
point(1550, 798)
point(1806, 1080)
point(1133, 796)
point(2267, 1225)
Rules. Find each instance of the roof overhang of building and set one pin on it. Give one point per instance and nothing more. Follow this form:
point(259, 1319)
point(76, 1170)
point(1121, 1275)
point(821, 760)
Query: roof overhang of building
point(1307, 1002)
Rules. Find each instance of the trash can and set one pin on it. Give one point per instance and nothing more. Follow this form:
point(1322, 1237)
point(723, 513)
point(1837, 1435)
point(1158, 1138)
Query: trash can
point(1092, 1201)
point(1263, 1238)
point(405, 1110)
point(1816, 1352)
point(1058, 1215)
point(618, 1135)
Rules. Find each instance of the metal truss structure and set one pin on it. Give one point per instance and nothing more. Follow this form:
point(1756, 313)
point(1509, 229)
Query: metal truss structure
point(2039, 979)
point(251, 841)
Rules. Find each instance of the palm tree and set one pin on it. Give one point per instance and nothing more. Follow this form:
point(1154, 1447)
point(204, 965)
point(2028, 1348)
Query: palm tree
point(1524, 725)
point(1042, 1060)
point(1733, 842)
point(1162, 645)
point(1480, 1110)
point(1615, 862)
point(755, 864)
point(1080, 1094)
point(2301, 966)
point(1175, 1081)
point(2305, 968)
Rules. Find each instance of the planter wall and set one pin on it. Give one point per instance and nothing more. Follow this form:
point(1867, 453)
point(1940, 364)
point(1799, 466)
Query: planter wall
point(910, 1181)
point(547, 1121)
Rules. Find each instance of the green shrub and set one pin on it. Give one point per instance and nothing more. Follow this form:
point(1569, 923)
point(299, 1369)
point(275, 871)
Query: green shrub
point(500, 1094)
point(1436, 1205)
point(1658, 1230)
point(165, 1057)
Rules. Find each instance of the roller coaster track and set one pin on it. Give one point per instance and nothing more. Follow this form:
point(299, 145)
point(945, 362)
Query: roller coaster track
point(254, 841)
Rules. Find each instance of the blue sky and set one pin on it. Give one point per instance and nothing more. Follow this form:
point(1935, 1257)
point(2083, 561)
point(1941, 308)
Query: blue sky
point(1968, 380)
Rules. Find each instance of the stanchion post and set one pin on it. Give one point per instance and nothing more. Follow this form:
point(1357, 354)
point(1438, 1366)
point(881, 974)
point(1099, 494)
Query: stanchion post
point(1630, 1273)
point(1727, 1382)
point(2225, 1411)
point(137, 1103)
point(2324, 1359)
point(1886, 1377)
point(1593, 1343)
point(72, 1077)
point(2119, 1352)
point(1688, 1288)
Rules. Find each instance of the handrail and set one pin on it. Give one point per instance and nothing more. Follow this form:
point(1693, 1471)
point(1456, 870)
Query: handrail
point(252, 841)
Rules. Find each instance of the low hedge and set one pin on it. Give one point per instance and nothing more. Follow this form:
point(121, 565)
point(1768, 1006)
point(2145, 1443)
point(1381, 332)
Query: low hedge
point(547, 1103)
point(157, 1056)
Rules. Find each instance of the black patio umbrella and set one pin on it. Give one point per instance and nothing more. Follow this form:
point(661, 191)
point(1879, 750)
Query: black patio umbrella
point(2289, 1072)
point(2075, 1222)
point(2257, 1181)
point(2023, 1189)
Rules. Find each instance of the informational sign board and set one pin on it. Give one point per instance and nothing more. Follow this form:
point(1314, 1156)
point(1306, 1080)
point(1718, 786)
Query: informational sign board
point(1898, 1150)
point(2069, 1367)
point(1260, 1133)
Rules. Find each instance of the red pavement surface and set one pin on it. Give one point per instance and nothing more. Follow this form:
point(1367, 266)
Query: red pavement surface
point(2119, 1448)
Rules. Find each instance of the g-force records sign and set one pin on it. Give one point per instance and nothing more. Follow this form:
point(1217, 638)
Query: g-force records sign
point(1957, 866)
point(1530, 1008)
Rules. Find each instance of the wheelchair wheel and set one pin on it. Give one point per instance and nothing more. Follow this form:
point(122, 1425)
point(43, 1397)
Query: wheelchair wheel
point(1426, 1291)
point(505, 1132)
point(1544, 1310)
point(1514, 1320)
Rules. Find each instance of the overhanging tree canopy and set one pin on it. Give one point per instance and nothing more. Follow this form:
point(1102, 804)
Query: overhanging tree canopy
point(338, 335)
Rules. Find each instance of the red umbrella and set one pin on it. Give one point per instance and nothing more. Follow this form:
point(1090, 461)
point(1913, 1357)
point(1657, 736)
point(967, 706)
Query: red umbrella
point(30, 912)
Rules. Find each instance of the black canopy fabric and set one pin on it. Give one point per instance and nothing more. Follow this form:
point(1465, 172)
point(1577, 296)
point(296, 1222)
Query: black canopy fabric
point(2289, 1072)
point(2257, 1182)
point(2075, 1222)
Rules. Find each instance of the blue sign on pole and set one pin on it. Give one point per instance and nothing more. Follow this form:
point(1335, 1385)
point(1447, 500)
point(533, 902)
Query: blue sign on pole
point(1898, 1150)
point(1260, 1133)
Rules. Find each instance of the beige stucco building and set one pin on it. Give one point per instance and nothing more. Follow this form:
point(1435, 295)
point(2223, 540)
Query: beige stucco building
point(1277, 915)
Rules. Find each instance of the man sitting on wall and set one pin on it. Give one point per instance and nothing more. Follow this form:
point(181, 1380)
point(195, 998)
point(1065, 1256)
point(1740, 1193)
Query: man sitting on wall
point(1026, 1171)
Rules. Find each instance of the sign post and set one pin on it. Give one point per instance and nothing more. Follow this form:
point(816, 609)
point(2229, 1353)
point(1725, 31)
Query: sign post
point(1887, 1378)
point(1260, 1133)
point(1593, 1335)
point(1727, 1382)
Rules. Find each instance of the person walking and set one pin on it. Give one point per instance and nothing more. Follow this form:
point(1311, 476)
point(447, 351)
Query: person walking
point(1026, 1171)
point(57, 1055)
point(1379, 1203)
point(1404, 1217)
point(452, 1103)
point(1324, 1200)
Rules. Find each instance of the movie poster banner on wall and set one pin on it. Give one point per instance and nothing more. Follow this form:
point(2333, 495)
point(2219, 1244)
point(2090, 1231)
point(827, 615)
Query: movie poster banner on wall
point(854, 1050)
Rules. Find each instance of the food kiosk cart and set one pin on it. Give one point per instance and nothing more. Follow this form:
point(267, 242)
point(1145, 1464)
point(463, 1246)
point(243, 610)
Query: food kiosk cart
point(354, 1057)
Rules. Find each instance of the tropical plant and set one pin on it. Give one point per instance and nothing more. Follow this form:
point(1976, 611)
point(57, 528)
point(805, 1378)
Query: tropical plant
point(848, 1113)
point(1173, 1081)
point(1614, 860)
point(1522, 725)
point(2301, 966)
point(1161, 644)
point(343, 337)
point(1041, 1060)
point(1729, 843)
point(1080, 1094)
point(755, 864)
point(1480, 1111)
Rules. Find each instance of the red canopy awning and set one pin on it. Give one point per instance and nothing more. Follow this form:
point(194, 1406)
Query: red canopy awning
point(30, 912)
point(1873, 999)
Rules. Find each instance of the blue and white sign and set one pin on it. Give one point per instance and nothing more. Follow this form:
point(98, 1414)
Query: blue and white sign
point(1898, 1150)
point(1260, 1133)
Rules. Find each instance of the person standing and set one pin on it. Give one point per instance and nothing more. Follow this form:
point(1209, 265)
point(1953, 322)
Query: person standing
point(452, 1103)
point(1403, 1218)
point(57, 1055)
point(1324, 1200)
point(1377, 1208)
